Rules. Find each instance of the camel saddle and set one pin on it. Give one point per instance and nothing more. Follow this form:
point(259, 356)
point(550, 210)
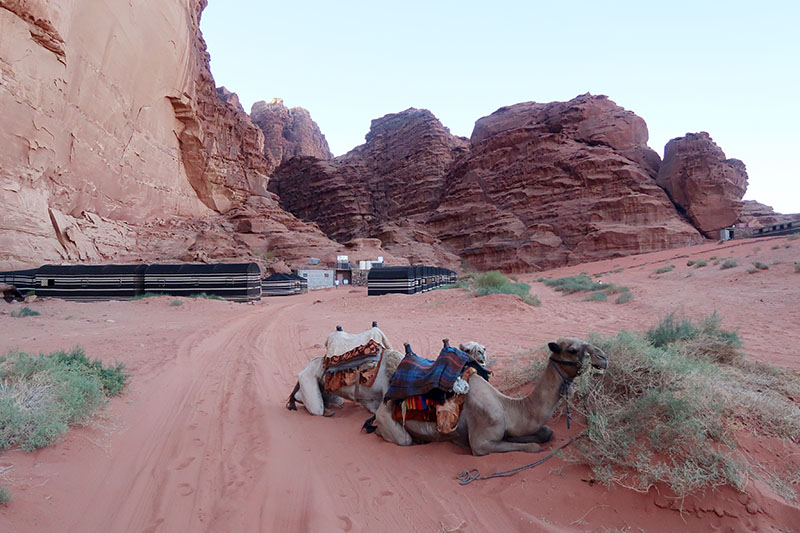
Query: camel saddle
point(357, 366)
point(416, 376)
point(445, 413)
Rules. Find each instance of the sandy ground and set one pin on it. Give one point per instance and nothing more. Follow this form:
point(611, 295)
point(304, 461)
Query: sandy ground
point(201, 440)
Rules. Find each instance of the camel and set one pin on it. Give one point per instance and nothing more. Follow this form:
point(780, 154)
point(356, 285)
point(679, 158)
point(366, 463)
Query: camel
point(492, 422)
point(309, 391)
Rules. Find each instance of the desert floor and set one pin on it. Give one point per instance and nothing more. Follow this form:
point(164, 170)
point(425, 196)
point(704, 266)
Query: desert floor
point(201, 439)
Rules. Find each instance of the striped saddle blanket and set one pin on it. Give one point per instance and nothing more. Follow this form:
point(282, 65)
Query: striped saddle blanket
point(416, 375)
point(359, 365)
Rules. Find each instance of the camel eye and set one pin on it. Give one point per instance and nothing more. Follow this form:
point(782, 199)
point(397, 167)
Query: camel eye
point(572, 350)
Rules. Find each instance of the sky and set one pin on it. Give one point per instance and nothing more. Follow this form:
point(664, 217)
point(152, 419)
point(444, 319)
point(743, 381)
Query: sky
point(729, 68)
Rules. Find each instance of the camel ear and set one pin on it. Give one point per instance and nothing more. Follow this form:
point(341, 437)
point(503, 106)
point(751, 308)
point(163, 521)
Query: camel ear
point(555, 348)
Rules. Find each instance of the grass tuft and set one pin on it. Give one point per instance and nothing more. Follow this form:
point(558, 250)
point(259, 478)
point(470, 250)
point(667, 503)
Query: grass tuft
point(495, 282)
point(690, 262)
point(761, 265)
point(176, 303)
point(664, 269)
point(41, 396)
point(669, 413)
point(729, 263)
point(752, 270)
point(532, 299)
point(206, 296)
point(25, 311)
point(797, 266)
point(597, 296)
point(624, 298)
point(573, 284)
point(145, 295)
point(5, 496)
point(700, 263)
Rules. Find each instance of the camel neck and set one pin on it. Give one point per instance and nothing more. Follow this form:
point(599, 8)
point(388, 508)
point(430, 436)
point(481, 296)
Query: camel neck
point(546, 393)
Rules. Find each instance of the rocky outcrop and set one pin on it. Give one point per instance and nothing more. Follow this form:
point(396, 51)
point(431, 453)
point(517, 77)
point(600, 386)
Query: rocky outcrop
point(537, 185)
point(117, 145)
point(702, 182)
point(288, 133)
point(398, 173)
point(756, 215)
point(558, 183)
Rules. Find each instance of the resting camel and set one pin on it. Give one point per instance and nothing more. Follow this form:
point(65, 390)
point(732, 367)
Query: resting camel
point(492, 422)
point(309, 391)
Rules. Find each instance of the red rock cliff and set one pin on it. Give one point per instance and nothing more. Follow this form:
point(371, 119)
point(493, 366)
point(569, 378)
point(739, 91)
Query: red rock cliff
point(118, 146)
point(700, 180)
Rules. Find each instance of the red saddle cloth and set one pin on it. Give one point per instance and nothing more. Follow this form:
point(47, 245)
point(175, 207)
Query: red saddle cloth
point(347, 369)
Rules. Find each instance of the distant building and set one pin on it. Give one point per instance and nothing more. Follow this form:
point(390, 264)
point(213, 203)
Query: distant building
point(317, 279)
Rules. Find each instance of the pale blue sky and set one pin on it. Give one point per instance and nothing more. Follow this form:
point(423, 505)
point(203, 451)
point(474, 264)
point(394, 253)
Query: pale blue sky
point(729, 68)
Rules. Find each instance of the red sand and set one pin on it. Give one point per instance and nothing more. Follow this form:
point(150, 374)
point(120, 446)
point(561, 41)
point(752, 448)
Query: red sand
point(201, 439)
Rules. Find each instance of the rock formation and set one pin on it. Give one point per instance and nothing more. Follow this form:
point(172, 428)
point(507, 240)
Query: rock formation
point(756, 215)
point(288, 133)
point(118, 146)
point(537, 185)
point(398, 174)
point(702, 182)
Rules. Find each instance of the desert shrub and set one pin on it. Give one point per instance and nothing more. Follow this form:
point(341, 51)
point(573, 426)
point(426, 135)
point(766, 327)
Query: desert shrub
point(776, 247)
point(25, 311)
point(729, 263)
point(797, 266)
point(672, 329)
point(573, 284)
point(145, 295)
point(5, 496)
point(616, 289)
point(206, 296)
point(531, 299)
point(787, 245)
point(664, 269)
point(494, 282)
point(41, 396)
point(761, 265)
point(752, 270)
point(700, 263)
point(690, 262)
point(669, 413)
point(463, 284)
point(176, 303)
point(624, 298)
point(793, 236)
point(596, 296)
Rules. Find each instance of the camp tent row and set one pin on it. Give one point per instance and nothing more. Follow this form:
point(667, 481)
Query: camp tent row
point(230, 281)
point(407, 279)
point(283, 285)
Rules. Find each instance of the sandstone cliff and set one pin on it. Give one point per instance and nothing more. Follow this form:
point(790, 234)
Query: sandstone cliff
point(756, 215)
point(288, 133)
point(702, 182)
point(118, 146)
point(537, 185)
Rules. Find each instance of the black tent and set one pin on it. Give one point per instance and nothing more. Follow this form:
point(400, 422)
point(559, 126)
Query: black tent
point(231, 281)
point(279, 285)
point(391, 280)
point(90, 282)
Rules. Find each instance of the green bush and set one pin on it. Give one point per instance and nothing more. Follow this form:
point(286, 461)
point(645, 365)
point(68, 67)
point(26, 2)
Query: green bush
point(573, 284)
point(797, 266)
point(457, 285)
point(761, 266)
point(672, 329)
point(5, 496)
point(752, 270)
point(25, 311)
point(776, 247)
point(176, 303)
point(700, 263)
point(531, 299)
point(690, 262)
point(41, 396)
point(729, 263)
point(597, 296)
point(664, 269)
point(490, 280)
point(624, 298)
point(793, 236)
point(206, 296)
point(495, 282)
point(669, 414)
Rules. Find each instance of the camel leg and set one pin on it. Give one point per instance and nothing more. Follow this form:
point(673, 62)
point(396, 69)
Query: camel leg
point(545, 434)
point(310, 393)
point(501, 446)
point(388, 428)
point(331, 400)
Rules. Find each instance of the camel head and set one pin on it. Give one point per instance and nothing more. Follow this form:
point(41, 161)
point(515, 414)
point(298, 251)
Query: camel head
point(476, 352)
point(573, 352)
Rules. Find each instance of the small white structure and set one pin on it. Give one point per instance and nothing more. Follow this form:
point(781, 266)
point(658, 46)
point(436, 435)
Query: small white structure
point(366, 265)
point(317, 279)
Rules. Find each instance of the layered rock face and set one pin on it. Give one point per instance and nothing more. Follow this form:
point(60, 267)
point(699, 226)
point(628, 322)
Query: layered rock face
point(557, 183)
point(537, 185)
point(756, 215)
point(117, 144)
point(398, 173)
point(288, 133)
point(702, 182)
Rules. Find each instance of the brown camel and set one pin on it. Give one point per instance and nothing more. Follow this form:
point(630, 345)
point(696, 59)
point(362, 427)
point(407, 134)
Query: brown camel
point(492, 422)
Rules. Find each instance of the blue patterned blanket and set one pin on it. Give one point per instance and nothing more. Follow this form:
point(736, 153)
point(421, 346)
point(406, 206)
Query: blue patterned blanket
point(417, 375)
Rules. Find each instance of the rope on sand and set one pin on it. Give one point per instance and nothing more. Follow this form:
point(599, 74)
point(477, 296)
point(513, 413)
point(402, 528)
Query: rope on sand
point(468, 476)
